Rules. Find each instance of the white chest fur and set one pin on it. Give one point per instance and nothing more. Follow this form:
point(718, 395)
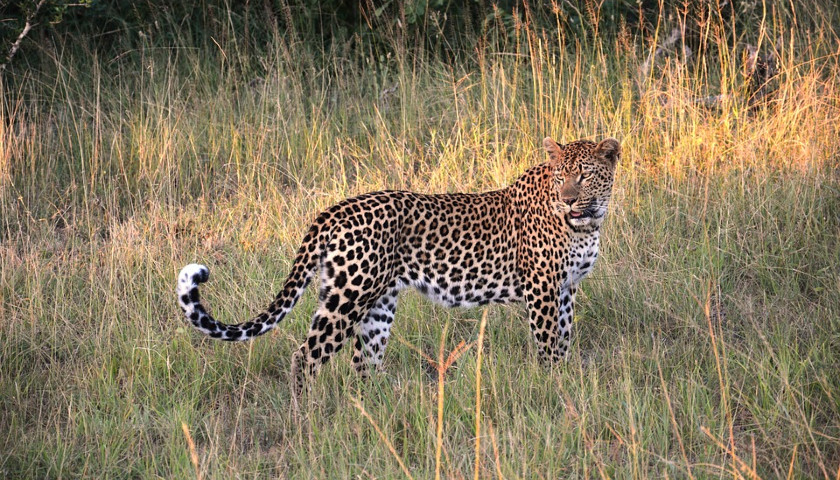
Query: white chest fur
point(583, 254)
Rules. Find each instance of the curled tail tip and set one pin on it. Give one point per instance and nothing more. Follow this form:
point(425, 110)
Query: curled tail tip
point(188, 280)
point(193, 274)
point(187, 289)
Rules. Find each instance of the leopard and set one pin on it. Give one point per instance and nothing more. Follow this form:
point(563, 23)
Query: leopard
point(531, 242)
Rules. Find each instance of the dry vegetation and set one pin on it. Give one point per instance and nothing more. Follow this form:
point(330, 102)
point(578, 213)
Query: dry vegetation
point(707, 340)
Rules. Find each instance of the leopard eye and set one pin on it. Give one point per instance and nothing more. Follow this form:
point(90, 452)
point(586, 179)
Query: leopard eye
point(560, 180)
point(584, 176)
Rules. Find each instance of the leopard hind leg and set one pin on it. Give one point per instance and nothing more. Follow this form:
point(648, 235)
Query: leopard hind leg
point(373, 332)
point(356, 270)
point(332, 326)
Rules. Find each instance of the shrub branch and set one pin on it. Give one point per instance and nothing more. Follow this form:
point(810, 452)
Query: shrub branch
point(26, 28)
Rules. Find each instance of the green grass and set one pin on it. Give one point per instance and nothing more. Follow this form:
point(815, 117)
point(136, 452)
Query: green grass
point(706, 341)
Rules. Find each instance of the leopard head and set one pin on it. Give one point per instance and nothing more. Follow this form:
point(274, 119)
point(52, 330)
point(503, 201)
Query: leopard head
point(582, 180)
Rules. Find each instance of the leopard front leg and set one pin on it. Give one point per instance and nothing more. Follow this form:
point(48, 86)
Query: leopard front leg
point(551, 312)
point(565, 319)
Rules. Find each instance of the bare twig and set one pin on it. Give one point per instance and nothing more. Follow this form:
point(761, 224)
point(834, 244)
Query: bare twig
point(26, 28)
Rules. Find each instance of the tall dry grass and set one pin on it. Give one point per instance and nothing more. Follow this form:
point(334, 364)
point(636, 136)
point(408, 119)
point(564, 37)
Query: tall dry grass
point(706, 339)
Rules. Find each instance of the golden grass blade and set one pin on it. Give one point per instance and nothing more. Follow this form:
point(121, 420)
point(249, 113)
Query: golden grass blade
point(495, 451)
point(193, 453)
point(793, 462)
point(721, 371)
point(480, 344)
point(454, 355)
point(441, 378)
point(417, 350)
point(742, 466)
point(674, 421)
point(387, 442)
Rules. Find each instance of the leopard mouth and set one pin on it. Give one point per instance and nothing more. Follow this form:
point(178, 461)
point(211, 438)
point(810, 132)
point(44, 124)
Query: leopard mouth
point(589, 212)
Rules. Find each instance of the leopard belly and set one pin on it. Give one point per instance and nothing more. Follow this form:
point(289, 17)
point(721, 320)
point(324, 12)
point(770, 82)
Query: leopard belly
point(465, 293)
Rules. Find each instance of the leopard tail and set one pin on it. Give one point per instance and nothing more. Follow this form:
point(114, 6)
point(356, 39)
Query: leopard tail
point(301, 274)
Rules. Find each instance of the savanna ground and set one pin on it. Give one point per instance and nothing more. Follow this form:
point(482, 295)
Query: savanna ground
point(707, 339)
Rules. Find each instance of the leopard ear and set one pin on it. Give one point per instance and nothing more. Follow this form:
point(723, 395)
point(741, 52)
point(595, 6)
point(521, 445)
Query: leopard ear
point(610, 150)
point(552, 148)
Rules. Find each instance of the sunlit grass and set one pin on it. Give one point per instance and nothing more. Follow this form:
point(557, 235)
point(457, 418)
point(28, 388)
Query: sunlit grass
point(706, 339)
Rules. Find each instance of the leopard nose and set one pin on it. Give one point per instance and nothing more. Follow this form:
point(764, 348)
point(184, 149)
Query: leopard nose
point(568, 200)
